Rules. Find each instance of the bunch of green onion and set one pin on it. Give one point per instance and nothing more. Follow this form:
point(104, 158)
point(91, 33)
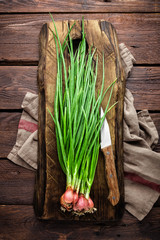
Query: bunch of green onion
point(77, 120)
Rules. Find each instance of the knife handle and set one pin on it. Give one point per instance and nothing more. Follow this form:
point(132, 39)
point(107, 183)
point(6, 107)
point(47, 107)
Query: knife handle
point(111, 175)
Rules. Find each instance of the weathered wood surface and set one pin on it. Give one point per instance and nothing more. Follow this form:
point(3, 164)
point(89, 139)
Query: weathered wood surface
point(15, 81)
point(19, 222)
point(16, 184)
point(80, 6)
point(19, 34)
point(105, 42)
point(8, 131)
point(144, 83)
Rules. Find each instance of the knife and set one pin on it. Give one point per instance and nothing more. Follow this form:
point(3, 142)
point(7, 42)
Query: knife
point(106, 147)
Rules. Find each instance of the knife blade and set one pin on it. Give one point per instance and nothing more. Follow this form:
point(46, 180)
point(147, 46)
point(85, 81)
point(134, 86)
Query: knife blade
point(110, 169)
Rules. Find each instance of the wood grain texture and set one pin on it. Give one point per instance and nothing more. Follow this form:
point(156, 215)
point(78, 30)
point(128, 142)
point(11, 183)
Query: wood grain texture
point(19, 222)
point(19, 34)
point(15, 81)
point(8, 132)
point(40, 182)
point(144, 83)
point(105, 42)
point(80, 6)
point(16, 184)
point(111, 175)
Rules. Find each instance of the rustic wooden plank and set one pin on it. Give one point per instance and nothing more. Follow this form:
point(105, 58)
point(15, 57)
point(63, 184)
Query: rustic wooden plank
point(16, 184)
point(22, 52)
point(20, 33)
point(144, 83)
point(80, 6)
point(8, 131)
point(15, 81)
point(9, 121)
point(40, 182)
point(19, 222)
point(47, 157)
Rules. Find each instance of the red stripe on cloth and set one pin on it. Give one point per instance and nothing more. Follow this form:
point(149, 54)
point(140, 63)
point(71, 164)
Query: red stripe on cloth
point(28, 126)
point(136, 178)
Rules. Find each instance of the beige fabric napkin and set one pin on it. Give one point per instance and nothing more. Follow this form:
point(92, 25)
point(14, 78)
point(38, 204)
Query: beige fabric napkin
point(141, 163)
point(24, 152)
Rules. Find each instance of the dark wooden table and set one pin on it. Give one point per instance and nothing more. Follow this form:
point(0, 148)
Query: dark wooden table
point(138, 26)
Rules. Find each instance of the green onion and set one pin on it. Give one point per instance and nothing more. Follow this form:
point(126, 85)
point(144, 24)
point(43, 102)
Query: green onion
point(77, 120)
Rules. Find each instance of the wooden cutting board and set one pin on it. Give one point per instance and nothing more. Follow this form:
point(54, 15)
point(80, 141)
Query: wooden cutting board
point(50, 180)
